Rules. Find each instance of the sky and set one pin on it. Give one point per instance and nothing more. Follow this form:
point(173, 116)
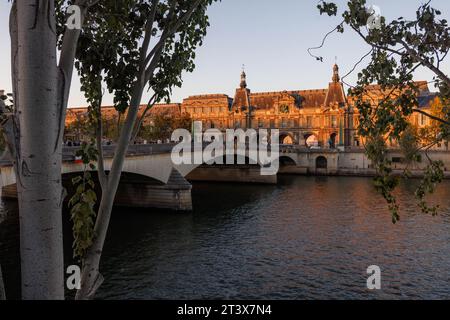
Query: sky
point(270, 38)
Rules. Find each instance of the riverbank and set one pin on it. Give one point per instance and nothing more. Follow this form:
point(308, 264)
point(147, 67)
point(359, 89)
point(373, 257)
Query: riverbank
point(354, 162)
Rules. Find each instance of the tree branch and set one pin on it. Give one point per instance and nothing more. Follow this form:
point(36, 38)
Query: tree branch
point(410, 52)
point(323, 43)
point(426, 63)
point(66, 64)
point(103, 179)
point(169, 31)
point(150, 105)
point(148, 34)
point(376, 45)
point(162, 39)
point(431, 116)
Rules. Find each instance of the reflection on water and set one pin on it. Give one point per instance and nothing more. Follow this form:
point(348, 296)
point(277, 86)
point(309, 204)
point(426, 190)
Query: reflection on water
point(306, 238)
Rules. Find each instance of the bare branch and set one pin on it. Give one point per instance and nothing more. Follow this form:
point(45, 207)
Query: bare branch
point(354, 67)
point(426, 63)
point(323, 43)
point(398, 52)
point(409, 51)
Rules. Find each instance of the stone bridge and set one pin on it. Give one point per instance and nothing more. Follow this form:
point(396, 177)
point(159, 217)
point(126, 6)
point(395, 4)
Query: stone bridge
point(150, 179)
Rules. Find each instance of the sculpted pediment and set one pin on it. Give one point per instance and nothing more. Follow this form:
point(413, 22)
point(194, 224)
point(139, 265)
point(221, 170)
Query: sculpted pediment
point(286, 98)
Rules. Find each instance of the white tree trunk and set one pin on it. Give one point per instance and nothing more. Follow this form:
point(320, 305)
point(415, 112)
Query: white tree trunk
point(38, 151)
point(91, 278)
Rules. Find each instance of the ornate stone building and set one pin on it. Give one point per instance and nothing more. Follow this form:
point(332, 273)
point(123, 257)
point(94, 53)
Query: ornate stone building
point(315, 118)
point(322, 117)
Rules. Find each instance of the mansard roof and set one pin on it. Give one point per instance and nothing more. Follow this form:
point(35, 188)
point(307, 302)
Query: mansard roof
point(207, 96)
point(109, 112)
point(301, 98)
point(210, 100)
point(421, 85)
point(312, 98)
point(334, 95)
point(245, 99)
point(426, 100)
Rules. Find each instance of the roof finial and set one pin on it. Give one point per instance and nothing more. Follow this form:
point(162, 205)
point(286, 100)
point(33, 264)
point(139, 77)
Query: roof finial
point(336, 77)
point(243, 78)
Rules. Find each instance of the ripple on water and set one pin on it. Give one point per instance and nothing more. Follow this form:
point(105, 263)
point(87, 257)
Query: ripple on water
point(306, 238)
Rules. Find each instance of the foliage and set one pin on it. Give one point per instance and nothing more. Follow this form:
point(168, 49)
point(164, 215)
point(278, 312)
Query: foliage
point(82, 203)
point(162, 125)
point(398, 48)
point(7, 102)
point(436, 129)
point(112, 55)
point(409, 144)
point(109, 47)
point(78, 128)
point(434, 175)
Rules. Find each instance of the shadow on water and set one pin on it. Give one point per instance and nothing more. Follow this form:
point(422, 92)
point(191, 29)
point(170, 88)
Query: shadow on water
point(305, 238)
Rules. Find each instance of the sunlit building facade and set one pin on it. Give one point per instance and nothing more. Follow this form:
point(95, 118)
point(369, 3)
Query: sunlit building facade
point(324, 118)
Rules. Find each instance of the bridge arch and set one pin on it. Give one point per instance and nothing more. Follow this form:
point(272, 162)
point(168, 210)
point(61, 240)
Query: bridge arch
point(155, 166)
point(286, 161)
point(186, 169)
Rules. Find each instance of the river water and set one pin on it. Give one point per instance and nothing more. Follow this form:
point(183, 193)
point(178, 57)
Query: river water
point(305, 238)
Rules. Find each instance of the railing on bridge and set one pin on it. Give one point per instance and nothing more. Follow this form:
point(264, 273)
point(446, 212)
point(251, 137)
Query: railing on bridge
point(133, 150)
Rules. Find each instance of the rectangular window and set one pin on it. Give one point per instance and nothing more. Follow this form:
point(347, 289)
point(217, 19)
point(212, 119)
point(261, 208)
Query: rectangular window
point(334, 121)
point(309, 121)
point(423, 120)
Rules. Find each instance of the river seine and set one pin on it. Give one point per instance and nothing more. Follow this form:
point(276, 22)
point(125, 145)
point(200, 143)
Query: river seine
point(305, 238)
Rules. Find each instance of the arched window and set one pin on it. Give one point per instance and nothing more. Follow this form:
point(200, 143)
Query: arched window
point(312, 141)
